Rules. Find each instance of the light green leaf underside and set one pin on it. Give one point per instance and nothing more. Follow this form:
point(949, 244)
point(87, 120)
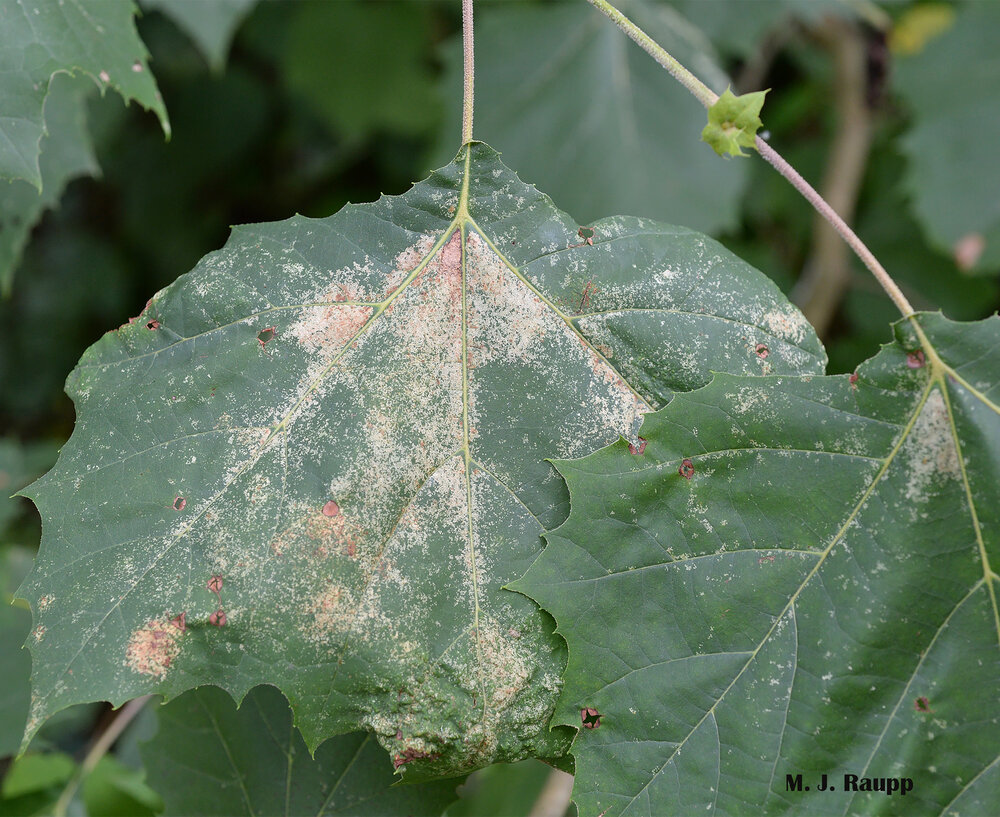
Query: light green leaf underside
point(589, 117)
point(950, 87)
point(66, 152)
point(211, 24)
point(826, 575)
point(38, 39)
point(210, 758)
point(347, 419)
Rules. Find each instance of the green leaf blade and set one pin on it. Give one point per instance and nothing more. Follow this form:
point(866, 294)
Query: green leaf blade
point(211, 24)
point(817, 598)
point(346, 420)
point(66, 153)
point(951, 171)
point(40, 39)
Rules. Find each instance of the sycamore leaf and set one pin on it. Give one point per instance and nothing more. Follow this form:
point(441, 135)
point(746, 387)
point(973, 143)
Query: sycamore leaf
point(796, 577)
point(39, 39)
point(66, 153)
point(733, 122)
point(208, 758)
point(316, 460)
point(211, 24)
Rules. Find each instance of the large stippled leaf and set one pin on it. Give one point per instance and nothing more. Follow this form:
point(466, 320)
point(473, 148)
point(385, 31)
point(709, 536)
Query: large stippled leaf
point(211, 24)
point(39, 38)
point(66, 153)
point(950, 86)
point(210, 758)
point(796, 577)
point(333, 431)
point(591, 118)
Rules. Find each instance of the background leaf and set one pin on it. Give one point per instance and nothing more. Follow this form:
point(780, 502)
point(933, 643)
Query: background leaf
point(796, 576)
point(584, 113)
point(66, 153)
point(210, 758)
point(325, 44)
point(345, 420)
point(211, 24)
point(39, 39)
point(950, 86)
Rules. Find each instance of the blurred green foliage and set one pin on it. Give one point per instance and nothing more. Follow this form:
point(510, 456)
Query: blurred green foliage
point(321, 103)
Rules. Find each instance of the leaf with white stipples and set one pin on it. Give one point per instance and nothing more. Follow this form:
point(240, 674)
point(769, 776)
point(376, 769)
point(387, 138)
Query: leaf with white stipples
point(797, 576)
point(316, 460)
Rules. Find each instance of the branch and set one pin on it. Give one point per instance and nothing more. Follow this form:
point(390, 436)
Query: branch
point(100, 748)
point(554, 798)
point(826, 275)
point(708, 98)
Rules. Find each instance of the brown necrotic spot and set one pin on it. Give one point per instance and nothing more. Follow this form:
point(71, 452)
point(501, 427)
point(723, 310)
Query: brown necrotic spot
point(409, 755)
point(153, 648)
point(853, 379)
point(153, 324)
point(915, 360)
point(218, 618)
point(590, 717)
point(331, 508)
point(215, 584)
point(179, 621)
point(179, 503)
point(266, 335)
point(637, 449)
point(762, 351)
point(922, 704)
point(687, 469)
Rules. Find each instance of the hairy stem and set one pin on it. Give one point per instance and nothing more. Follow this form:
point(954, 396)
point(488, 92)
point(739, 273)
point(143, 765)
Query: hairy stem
point(707, 97)
point(100, 748)
point(469, 71)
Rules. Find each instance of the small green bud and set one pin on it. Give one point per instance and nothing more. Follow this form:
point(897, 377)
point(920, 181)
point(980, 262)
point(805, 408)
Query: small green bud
point(733, 122)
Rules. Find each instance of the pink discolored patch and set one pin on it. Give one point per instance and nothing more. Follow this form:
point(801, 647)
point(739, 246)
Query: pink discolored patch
point(265, 336)
point(179, 503)
point(916, 360)
point(687, 469)
point(853, 380)
point(968, 250)
point(215, 584)
point(637, 449)
point(409, 755)
point(179, 621)
point(218, 618)
point(590, 718)
point(762, 351)
point(329, 327)
point(331, 508)
point(152, 649)
point(922, 704)
point(153, 324)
